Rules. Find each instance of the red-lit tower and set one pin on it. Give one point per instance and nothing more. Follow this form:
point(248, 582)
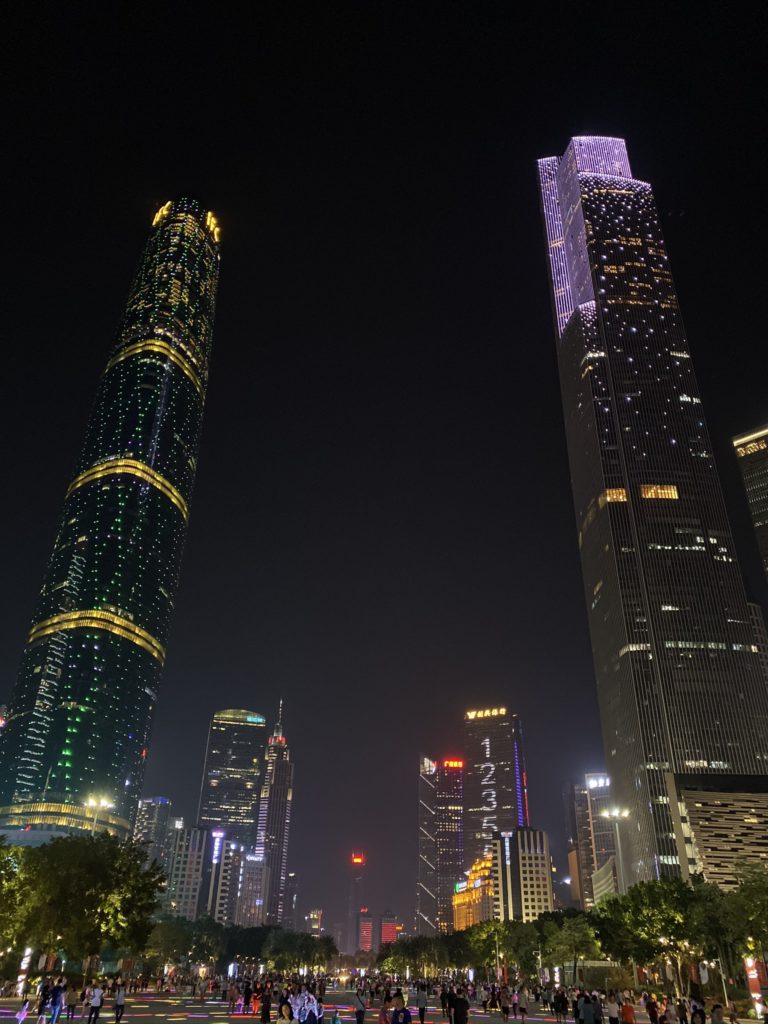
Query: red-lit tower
point(356, 896)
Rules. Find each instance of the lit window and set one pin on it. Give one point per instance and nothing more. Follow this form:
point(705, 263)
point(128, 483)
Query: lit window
point(667, 491)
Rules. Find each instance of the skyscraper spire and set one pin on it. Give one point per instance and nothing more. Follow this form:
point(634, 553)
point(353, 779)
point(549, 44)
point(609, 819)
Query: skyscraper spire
point(72, 754)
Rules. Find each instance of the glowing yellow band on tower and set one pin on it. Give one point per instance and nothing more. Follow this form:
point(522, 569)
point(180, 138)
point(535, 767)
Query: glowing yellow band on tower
point(94, 618)
point(161, 348)
point(132, 467)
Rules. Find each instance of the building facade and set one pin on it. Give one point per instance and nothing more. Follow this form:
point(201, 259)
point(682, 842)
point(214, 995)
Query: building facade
point(291, 917)
point(449, 836)
point(81, 712)
point(229, 794)
point(591, 834)
point(184, 896)
point(752, 455)
point(364, 942)
point(274, 821)
point(426, 881)
point(388, 928)
point(154, 824)
point(254, 885)
point(223, 875)
point(679, 683)
point(522, 875)
point(473, 898)
point(495, 781)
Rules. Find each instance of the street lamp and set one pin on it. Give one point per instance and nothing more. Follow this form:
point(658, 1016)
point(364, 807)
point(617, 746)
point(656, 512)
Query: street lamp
point(97, 804)
point(616, 815)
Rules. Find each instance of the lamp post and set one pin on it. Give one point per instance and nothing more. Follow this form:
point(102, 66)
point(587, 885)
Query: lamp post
point(97, 804)
point(616, 815)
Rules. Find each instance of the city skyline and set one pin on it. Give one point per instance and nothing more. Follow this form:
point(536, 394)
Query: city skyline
point(382, 525)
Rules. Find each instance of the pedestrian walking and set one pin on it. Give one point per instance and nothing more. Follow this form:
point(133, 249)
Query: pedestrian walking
point(120, 994)
point(421, 1003)
point(358, 1005)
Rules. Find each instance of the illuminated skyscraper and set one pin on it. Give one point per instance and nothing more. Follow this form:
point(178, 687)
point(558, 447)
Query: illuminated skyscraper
point(80, 715)
point(426, 882)
point(449, 836)
point(274, 821)
point(590, 835)
point(229, 794)
point(680, 689)
point(752, 452)
point(356, 896)
point(496, 782)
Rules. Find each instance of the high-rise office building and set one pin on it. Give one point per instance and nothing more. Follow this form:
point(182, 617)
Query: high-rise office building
point(274, 821)
point(591, 834)
point(757, 616)
point(80, 715)
point(364, 930)
point(495, 782)
point(229, 794)
point(449, 836)
point(752, 452)
point(313, 921)
point(223, 875)
point(522, 875)
point(184, 895)
point(426, 881)
point(388, 928)
point(356, 897)
point(679, 683)
point(153, 828)
point(291, 919)
point(254, 885)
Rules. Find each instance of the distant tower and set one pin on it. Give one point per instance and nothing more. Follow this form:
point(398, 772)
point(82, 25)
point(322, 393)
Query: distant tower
point(274, 821)
point(495, 782)
point(73, 750)
point(229, 794)
point(591, 835)
point(356, 898)
point(426, 884)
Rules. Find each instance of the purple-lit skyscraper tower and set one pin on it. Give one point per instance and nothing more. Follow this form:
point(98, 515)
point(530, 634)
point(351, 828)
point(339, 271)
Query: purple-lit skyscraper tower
point(682, 700)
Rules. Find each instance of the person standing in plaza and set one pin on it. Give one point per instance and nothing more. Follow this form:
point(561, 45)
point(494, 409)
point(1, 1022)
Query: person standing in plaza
point(421, 1003)
point(97, 998)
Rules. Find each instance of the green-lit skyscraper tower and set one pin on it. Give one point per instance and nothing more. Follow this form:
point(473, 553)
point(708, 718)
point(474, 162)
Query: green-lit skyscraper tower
point(73, 749)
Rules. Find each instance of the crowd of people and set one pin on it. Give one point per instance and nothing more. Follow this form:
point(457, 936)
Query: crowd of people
point(286, 999)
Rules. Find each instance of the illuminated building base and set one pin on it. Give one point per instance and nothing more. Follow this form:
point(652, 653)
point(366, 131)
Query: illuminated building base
point(49, 817)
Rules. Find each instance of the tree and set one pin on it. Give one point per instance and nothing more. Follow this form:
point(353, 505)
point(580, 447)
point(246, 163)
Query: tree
point(83, 892)
point(208, 940)
point(652, 923)
point(171, 939)
point(570, 942)
point(747, 909)
point(11, 893)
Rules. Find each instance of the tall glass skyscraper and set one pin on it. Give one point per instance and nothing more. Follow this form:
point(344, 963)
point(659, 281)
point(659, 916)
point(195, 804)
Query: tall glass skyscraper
point(426, 880)
point(449, 836)
point(495, 781)
point(679, 684)
point(229, 794)
point(274, 821)
point(72, 753)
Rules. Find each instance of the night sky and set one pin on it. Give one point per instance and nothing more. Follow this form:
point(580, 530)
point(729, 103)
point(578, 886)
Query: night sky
point(382, 529)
